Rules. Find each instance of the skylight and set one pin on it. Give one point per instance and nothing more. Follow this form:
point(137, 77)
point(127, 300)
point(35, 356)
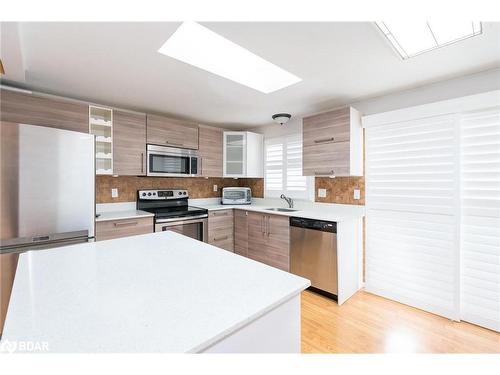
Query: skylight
point(196, 45)
point(411, 38)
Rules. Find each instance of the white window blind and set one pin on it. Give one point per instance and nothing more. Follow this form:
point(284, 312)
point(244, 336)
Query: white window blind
point(411, 182)
point(283, 168)
point(480, 230)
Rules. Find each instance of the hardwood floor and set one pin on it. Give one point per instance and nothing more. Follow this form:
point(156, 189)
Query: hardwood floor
point(370, 324)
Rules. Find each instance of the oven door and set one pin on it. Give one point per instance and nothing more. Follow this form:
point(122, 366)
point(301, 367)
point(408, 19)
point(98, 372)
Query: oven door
point(169, 161)
point(196, 228)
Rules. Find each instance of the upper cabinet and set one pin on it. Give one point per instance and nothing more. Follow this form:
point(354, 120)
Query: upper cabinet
point(129, 143)
point(166, 131)
point(333, 144)
point(243, 153)
point(210, 150)
point(35, 109)
point(101, 126)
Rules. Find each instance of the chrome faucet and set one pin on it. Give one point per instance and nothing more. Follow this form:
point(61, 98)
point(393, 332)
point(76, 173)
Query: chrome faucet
point(288, 200)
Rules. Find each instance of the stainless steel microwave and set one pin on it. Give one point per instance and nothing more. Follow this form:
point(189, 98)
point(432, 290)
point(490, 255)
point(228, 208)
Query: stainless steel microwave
point(172, 162)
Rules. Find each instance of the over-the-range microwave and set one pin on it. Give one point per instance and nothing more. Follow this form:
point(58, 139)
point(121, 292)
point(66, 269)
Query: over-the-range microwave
point(172, 162)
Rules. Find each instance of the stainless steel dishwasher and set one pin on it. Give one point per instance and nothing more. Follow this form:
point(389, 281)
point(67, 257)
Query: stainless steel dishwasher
point(313, 253)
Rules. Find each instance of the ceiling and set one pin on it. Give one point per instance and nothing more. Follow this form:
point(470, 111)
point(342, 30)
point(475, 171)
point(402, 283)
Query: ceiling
point(118, 63)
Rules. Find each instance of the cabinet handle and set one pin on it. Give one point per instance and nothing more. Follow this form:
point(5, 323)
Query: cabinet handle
point(268, 226)
point(262, 225)
point(174, 144)
point(125, 223)
point(324, 140)
point(324, 173)
point(221, 238)
point(142, 162)
point(221, 213)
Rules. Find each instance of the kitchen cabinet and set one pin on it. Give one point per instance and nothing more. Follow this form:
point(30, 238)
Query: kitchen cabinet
point(106, 230)
point(220, 229)
point(210, 150)
point(269, 239)
point(243, 154)
point(241, 232)
point(333, 144)
point(165, 131)
point(8, 264)
point(36, 109)
point(129, 143)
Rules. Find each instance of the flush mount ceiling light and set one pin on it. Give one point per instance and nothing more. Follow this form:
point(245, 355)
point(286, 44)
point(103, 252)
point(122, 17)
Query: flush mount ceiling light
point(196, 45)
point(281, 118)
point(411, 38)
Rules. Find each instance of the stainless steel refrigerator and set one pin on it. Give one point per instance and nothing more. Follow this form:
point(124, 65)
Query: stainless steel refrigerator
point(47, 187)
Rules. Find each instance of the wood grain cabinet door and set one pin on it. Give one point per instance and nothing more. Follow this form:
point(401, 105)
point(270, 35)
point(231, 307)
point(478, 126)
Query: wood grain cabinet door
point(221, 229)
point(328, 142)
point(165, 131)
point(210, 150)
point(129, 143)
point(20, 107)
point(269, 239)
point(241, 232)
point(278, 242)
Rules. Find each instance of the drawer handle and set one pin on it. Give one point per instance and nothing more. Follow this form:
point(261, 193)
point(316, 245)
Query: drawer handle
point(221, 238)
point(126, 223)
point(175, 144)
point(324, 140)
point(221, 213)
point(325, 173)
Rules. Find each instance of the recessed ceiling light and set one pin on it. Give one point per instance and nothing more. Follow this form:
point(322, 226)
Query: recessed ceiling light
point(196, 45)
point(411, 38)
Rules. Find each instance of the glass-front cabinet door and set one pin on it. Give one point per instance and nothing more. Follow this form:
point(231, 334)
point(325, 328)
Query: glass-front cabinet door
point(234, 154)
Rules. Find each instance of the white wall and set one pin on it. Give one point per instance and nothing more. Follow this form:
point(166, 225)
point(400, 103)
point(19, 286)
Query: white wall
point(453, 88)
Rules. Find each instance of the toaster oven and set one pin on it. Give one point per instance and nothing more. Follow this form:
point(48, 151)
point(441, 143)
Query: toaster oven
point(236, 195)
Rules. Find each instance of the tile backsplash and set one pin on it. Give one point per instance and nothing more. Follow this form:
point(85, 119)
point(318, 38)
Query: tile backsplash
point(198, 187)
point(340, 189)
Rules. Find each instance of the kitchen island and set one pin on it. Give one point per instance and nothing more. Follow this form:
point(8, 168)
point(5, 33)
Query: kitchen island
point(159, 292)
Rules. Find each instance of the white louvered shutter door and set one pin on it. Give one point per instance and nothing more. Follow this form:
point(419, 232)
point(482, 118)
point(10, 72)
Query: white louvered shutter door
point(296, 184)
point(480, 231)
point(412, 204)
point(274, 166)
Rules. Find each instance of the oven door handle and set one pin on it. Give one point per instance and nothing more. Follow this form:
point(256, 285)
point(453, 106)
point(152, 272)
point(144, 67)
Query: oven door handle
point(180, 220)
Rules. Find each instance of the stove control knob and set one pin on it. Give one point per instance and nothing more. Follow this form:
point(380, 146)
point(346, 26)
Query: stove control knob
point(154, 193)
point(143, 194)
point(184, 193)
point(149, 194)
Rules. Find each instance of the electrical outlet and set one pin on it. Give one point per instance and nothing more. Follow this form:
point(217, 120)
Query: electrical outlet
point(215, 188)
point(357, 194)
point(114, 193)
point(322, 193)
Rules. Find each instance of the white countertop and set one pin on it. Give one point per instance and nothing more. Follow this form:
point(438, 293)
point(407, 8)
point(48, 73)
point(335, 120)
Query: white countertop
point(310, 210)
point(159, 292)
point(122, 214)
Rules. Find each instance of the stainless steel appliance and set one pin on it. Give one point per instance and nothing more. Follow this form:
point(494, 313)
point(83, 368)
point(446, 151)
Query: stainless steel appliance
point(47, 187)
point(313, 253)
point(172, 212)
point(236, 195)
point(172, 161)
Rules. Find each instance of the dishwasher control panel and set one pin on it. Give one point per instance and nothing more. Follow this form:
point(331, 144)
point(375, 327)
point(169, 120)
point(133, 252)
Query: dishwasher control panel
point(321, 225)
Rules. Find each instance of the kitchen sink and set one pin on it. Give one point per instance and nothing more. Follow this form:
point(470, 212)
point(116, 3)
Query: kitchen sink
point(279, 209)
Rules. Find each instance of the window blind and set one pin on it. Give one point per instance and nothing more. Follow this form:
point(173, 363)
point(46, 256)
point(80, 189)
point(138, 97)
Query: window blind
point(411, 198)
point(480, 209)
point(283, 167)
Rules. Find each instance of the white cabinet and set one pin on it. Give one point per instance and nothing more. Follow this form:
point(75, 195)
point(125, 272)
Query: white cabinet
point(243, 153)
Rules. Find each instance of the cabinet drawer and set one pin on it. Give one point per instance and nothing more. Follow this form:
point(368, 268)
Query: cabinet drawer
point(221, 229)
point(106, 230)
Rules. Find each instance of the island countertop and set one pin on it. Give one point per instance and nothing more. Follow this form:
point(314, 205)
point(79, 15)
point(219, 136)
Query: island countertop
point(159, 292)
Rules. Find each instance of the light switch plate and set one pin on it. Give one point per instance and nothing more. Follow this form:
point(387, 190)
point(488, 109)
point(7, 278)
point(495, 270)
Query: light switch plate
point(322, 193)
point(357, 194)
point(114, 193)
point(215, 188)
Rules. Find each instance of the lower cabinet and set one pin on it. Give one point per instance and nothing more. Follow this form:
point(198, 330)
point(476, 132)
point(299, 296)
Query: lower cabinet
point(221, 228)
point(107, 230)
point(241, 232)
point(269, 239)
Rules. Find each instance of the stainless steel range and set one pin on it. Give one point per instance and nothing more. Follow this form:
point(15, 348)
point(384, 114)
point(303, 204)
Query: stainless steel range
point(172, 212)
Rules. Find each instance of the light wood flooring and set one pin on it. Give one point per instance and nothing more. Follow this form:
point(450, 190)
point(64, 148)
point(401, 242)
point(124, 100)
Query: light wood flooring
point(370, 324)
